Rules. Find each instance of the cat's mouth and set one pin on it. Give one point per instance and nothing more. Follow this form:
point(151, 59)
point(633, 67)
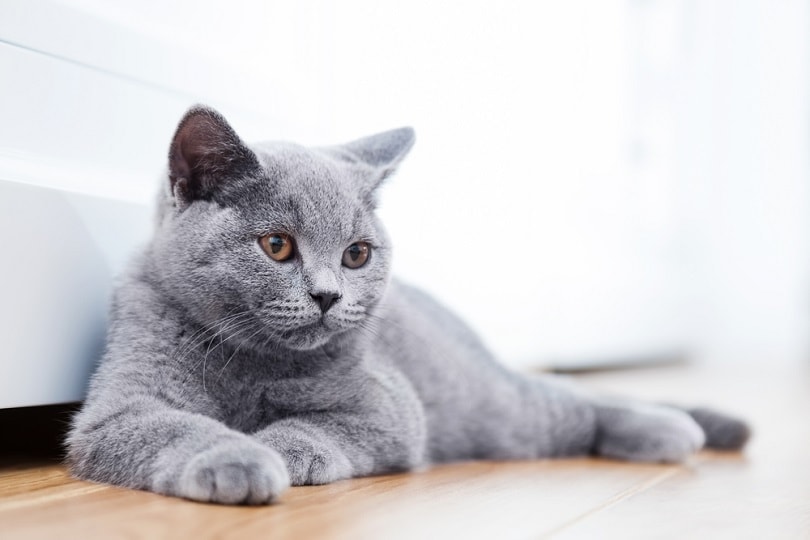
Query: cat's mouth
point(308, 336)
point(310, 331)
point(316, 326)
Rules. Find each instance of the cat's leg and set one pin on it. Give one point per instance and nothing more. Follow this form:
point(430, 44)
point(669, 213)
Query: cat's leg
point(383, 432)
point(312, 454)
point(326, 447)
point(502, 415)
point(142, 443)
point(550, 417)
point(633, 430)
point(642, 432)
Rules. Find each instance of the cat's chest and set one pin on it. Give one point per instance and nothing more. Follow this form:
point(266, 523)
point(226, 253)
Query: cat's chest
point(251, 399)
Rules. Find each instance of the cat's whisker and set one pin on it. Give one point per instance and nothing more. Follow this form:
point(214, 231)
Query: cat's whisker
point(210, 333)
point(221, 371)
point(228, 319)
point(204, 329)
point(240, 324)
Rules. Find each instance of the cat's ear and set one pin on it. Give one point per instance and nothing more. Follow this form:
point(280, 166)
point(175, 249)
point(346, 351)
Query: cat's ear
point(381, 154)
point(205, 152)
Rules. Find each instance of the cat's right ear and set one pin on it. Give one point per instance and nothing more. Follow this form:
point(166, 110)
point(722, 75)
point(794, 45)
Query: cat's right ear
point(205, 153)
point(380, 156)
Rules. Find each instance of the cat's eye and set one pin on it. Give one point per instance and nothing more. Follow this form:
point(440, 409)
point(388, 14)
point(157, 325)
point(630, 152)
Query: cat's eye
point(356, 255)
point(278, 246)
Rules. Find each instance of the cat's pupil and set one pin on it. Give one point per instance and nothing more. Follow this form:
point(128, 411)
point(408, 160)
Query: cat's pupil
point(354, 252)
point(276, 244)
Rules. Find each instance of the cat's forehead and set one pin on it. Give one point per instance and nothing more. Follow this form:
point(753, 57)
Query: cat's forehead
point(296, 168)
point(309, 190)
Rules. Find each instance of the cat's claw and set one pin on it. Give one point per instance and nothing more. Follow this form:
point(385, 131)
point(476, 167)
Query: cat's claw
point(234, 473)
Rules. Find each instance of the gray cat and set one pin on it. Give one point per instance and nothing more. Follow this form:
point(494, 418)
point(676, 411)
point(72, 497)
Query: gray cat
point(258, 341)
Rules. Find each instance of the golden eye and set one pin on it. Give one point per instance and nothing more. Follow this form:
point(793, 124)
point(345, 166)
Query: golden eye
point(278, 246)
point(356, 255)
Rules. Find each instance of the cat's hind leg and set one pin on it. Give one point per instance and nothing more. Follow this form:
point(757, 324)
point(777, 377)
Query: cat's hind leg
point(641, 432)
point(631, 430)
point(567, 421)
point(645, 432)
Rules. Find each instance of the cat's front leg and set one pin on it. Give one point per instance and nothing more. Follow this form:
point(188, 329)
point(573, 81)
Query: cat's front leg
point(375, 424)
point(145, 444)
point(314, 454)
point(325, 447)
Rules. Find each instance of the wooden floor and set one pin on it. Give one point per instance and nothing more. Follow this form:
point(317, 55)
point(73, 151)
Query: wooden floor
point(763, 493)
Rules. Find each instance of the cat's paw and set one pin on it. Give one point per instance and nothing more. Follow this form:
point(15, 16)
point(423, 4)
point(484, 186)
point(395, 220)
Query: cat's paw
point(312, 465)
point(313, 462)
point(651, 434)
point(234, 472)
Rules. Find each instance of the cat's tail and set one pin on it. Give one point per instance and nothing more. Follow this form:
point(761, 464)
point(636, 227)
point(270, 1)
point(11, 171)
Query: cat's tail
point(723, 432)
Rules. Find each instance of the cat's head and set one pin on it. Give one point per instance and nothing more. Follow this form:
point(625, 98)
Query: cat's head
point(274, 244)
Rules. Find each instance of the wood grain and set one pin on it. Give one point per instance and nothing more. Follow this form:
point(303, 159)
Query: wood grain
point(762, 494)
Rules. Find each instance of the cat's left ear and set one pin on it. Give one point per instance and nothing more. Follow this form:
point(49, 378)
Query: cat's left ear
point(380, 154)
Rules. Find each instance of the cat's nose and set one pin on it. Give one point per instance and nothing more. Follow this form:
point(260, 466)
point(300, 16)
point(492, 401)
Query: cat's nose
point(326, 300)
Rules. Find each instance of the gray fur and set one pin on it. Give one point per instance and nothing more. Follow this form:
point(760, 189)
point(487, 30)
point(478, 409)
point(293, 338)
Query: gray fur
point(222, 380)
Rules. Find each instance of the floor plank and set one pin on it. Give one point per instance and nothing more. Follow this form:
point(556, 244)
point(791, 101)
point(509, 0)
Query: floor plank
point(507, 500)
point(763, 493)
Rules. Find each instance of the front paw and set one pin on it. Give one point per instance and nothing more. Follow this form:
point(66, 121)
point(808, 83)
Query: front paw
point(311, 462)
point(234, 472)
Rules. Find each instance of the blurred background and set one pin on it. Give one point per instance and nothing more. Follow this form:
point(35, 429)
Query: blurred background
point(592, 181)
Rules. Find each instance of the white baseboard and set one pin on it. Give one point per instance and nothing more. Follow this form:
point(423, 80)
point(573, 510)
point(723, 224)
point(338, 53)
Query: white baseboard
point(61, 251)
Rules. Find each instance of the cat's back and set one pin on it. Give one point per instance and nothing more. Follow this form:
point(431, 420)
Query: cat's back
point(428, 341)
point(411, 309)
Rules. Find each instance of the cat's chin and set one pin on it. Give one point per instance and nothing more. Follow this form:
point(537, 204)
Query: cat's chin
point(308, 338)
point(306, 344)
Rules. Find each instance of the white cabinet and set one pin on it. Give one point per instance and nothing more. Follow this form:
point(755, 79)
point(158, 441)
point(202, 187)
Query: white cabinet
point(87, 108)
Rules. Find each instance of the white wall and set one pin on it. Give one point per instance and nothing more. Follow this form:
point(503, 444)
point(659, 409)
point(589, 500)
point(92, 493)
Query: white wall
point(591, 179)
point(87, 110)
point(721, 116)
point(516, 206)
